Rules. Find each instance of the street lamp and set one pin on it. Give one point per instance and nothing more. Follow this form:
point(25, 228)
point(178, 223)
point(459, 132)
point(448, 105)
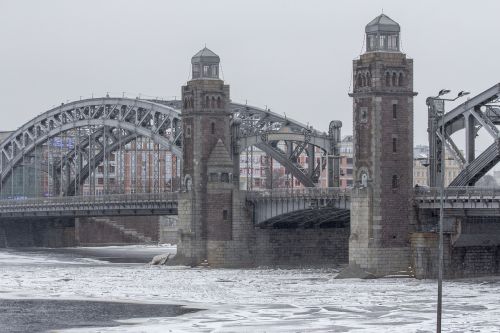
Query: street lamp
point(441, 206)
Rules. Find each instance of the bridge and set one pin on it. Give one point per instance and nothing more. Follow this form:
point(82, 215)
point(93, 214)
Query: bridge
point(119, 156)
point(94, 129)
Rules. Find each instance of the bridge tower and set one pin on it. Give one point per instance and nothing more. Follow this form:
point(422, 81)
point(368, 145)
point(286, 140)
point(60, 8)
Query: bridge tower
point(206, 206)
point(383, 152)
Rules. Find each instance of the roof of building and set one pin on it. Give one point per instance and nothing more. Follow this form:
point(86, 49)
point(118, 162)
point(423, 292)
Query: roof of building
point(383, 23)
point(206, 55)
point(219, 156)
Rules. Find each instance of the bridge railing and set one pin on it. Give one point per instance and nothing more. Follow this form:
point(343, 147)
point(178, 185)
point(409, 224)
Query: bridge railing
point(87, 200)
point(329, 192)
point(454, 192)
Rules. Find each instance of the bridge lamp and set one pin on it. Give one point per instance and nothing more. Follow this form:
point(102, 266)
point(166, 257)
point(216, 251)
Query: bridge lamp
point(443, 92)
point(441, 208)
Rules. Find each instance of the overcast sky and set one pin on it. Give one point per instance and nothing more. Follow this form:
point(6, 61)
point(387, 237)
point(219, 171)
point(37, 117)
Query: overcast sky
point(293, 56)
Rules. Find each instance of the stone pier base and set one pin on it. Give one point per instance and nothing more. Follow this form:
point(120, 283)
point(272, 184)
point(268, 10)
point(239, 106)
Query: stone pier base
point(37, 232)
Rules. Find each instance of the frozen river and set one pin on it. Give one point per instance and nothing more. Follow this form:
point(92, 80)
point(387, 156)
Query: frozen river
point(231, 300)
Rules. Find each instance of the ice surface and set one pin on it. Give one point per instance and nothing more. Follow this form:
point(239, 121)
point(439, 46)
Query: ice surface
point(258, 300)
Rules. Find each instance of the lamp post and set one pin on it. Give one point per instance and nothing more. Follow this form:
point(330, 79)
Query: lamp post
point(441, 206)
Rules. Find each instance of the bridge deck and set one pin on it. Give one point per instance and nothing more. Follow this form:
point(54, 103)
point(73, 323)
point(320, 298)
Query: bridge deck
point(80, 206)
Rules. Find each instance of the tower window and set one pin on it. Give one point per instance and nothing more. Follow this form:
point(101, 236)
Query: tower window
point(394, 145)
point(214, 71)
point(394, 111)
point(363, 114)
point(395, 181)
point(207, 102)
point(382, 42)
point(224, 214)
point(387, 79)
point(400, 79)
point(224, 177)
point(213, 128)
point(394, 79)
point(205, 70)
point(214, 177)
point(188, 131)
point(196, 70)
point(212, 105)
point(219, 102)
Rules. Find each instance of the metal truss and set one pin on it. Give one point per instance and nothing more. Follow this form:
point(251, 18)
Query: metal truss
point(101, 126)
point(159, 122)
point(481, 111)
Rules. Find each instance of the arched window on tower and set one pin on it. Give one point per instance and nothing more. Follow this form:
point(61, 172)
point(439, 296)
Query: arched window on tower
point(369, 80)
point(394, 79)
point(185, 103)
point(207, 102)
point(400, 81)
point(219, 102)
point(395, 181)
point(387, 79)
point(212, 105)
point(213, 128)
point(358, 83)
point(191, 102)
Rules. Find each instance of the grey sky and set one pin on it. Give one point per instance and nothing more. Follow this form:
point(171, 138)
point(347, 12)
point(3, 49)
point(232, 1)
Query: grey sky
point(293, 56)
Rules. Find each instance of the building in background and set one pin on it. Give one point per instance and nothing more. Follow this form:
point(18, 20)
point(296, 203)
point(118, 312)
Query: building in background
point(346, 161)
point(421, 170)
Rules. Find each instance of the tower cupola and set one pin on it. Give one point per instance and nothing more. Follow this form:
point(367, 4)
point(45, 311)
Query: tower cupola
point(382, 35)
point(205, 65)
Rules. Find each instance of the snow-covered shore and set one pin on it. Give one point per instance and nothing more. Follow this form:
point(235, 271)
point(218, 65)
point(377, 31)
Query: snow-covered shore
point(254, 300)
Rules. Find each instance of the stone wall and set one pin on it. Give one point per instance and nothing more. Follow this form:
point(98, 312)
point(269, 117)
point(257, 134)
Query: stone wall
point(38, 233)
point(117, 230)
point(169, 230)
point(471, 248)
point(301, 247)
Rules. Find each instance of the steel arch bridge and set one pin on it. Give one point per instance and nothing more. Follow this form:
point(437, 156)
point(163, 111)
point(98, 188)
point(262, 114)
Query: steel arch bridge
point(89, 131)
point(481, 111)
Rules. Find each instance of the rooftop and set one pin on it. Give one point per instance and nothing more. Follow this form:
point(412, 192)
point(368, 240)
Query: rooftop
point(382, 23)
point(205, 54)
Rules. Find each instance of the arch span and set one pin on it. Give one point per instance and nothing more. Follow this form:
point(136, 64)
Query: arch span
point(481, 111)
point(161, 123)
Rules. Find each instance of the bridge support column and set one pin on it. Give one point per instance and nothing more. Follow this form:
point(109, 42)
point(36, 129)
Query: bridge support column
point(193, 248)
point(381, 208)
point(211, 216)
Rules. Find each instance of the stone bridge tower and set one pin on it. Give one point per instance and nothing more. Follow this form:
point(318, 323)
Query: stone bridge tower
point(206, 204)
point(383, 152)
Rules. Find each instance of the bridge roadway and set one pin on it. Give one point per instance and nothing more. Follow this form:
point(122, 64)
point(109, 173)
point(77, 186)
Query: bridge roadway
point(461, 201)
point(90, 206)
point(300, 207)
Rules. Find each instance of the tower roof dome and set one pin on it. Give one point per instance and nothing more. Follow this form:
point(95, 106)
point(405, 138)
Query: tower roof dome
point(206, 56)
point(382, 23)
